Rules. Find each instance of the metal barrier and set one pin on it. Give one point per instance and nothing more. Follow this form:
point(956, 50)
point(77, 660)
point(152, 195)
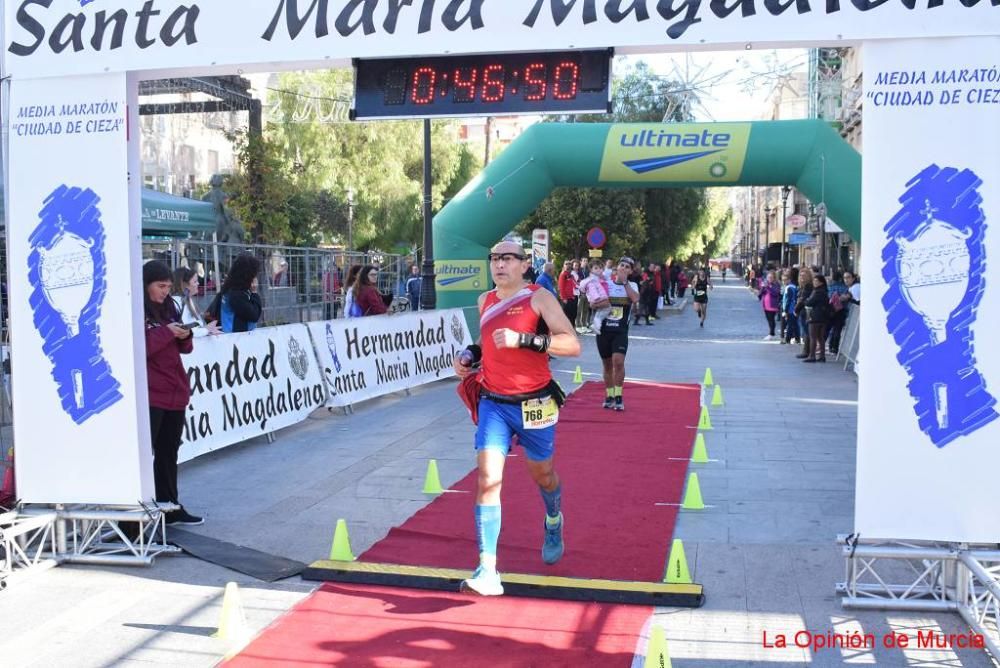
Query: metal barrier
point(850, 339)
point(296, 284)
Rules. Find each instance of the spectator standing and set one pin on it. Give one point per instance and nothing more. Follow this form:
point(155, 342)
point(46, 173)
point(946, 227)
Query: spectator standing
point(167, 381)
point(547, 278)
point(582, 305)
point(413, 285)
point(185, 287)
point(281, 278)
point(805, 291)
point(770, 299)
point(352, 279)
point(332, 281)
point(682, 282)
point(366, 295)
point(238, 306)
point(818, 311)
point(789, 321)
point(568, 291)
point(840, 296)
point(609, 270)
point(853, 282)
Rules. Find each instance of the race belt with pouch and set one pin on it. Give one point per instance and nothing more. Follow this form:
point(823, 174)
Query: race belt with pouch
point(539, 409)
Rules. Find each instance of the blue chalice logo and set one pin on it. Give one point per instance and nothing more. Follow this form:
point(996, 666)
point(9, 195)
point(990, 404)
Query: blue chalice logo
point(934, 266)
point(66, 269)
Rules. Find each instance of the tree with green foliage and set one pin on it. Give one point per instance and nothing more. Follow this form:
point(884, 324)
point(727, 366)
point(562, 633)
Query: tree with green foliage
point(382, 162)
point(670, 218)
point(262, 204)
point(713, 232)
point(569, 213)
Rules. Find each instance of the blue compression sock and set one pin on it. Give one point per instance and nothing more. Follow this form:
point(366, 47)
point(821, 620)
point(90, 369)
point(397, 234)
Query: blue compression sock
point(553, 501)
point(488, 534)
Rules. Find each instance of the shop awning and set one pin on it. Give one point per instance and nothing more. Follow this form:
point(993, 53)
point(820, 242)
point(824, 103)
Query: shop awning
point(168, 215)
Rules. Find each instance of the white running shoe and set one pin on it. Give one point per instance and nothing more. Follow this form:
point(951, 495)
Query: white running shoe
point(485, 582)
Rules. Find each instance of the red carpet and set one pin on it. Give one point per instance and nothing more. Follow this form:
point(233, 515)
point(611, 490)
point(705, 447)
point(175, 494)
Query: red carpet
point(614, 468)
point(356, 625)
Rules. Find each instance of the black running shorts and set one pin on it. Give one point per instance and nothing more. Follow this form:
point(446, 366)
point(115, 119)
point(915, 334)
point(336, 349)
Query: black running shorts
point(611, 343)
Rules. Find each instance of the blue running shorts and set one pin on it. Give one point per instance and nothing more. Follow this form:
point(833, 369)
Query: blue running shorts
point(499, 422)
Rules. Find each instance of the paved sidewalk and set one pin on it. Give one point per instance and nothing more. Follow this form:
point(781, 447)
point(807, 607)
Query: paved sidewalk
point(780, 491)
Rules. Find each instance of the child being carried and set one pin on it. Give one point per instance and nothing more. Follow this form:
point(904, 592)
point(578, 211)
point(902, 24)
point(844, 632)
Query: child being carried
point(596, 291)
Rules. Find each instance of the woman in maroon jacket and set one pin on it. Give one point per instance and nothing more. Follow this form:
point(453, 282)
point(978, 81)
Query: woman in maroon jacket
point(169, 392)
point(366, 295)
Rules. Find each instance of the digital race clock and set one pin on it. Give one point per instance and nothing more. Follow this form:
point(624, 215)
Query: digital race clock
point(516, 83)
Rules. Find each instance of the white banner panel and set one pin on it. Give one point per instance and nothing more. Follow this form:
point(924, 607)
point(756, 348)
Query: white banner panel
point(49, 38)
point(929, 433)
point(245, 385)
point(75, 301)
point(368, 357)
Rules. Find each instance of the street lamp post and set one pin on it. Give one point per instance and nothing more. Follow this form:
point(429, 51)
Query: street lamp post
point(428, 291)
point(785, 192)
point(350, 219)
point(767, 232)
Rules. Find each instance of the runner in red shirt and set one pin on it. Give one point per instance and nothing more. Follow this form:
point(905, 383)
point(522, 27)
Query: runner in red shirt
point(518, 398)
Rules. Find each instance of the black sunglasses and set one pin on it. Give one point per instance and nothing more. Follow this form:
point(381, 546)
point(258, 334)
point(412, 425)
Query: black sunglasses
point(505, 257)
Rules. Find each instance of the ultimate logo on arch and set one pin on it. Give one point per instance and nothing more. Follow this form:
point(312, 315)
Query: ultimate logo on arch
point(675, 152)
point(455, 275)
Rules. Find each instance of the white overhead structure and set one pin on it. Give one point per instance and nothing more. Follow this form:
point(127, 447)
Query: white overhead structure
point(49, 39)
point(931, 216)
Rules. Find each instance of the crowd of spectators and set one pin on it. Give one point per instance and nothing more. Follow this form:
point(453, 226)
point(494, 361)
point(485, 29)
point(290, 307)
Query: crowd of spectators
point(811, 308)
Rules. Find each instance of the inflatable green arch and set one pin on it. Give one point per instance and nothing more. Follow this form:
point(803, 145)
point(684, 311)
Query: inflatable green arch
point(808, 154)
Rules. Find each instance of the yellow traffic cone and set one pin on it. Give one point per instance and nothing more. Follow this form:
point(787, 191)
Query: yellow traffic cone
point(677, 565)
point(692, 496)
point(700, 454)
point(705, 421)
point(578, 375)
point(432, 482)
point(233, 621)
point(707, 382)
point(341, 548)
point(656, 651)
point(717, 396)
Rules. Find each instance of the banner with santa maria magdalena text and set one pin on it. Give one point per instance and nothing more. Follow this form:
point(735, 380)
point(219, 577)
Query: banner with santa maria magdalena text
point(362, 358)
point(246, 385)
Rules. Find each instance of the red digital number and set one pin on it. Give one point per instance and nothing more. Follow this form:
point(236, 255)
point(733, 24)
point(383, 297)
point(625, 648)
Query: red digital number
point(566, 81)
point(424, 80)
point(493, 83)
point(535, 80)
point(464, 82)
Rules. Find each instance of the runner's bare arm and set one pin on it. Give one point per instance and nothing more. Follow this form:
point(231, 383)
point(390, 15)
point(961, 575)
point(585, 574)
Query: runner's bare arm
point(564, 342)
point(632, 293)
point(460, 369)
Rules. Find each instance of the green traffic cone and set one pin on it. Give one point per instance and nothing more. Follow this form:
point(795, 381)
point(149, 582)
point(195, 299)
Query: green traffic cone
point(341, 548)
point(705, 422)
point(700, 454)
point(692, 496)
point(432, 482)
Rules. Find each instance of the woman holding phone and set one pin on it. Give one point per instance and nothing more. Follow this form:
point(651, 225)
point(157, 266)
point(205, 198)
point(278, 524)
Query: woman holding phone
point(185, 287)
point(169, 391)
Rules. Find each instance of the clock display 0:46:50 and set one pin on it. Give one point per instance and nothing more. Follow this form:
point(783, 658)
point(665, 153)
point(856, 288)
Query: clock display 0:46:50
point(537, 81)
